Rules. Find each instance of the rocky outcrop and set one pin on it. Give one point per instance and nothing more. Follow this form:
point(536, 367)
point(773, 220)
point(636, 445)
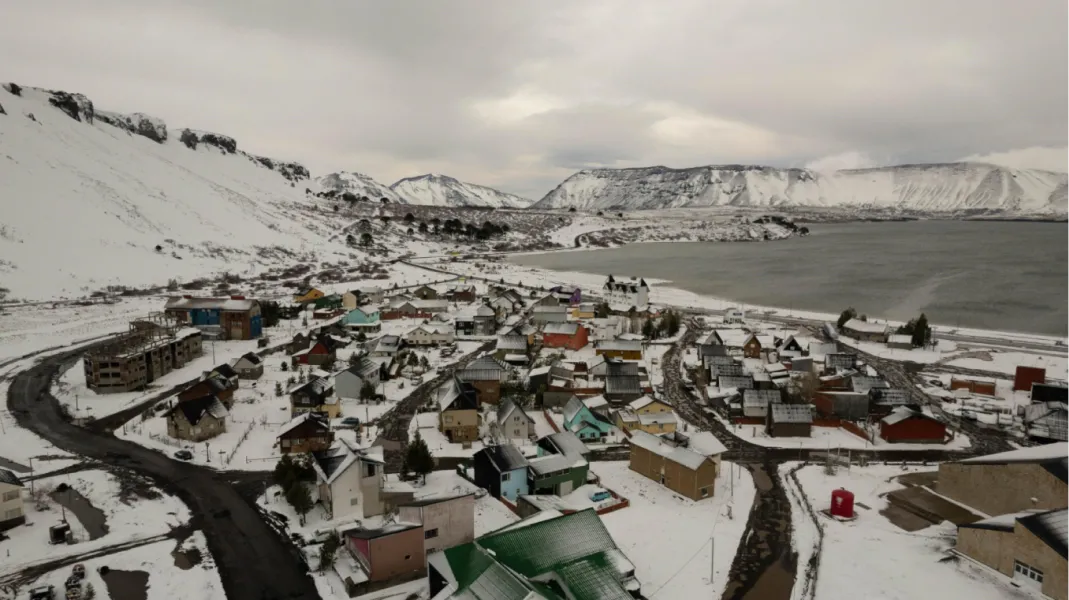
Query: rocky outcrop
point(192, 139)
point(13, 88)
point(136, 123)
point(292, 171)
point(77, 106)
point(2, 111)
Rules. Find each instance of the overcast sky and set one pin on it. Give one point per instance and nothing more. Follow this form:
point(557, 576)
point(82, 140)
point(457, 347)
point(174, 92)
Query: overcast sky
point(518, 95)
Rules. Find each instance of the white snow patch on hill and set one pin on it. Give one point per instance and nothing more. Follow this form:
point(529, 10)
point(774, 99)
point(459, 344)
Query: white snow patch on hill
point(358, 184)
point(441, 190)
point(963, 188)
point(85, 205)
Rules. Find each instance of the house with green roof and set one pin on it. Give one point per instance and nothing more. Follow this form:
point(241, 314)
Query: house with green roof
point(548, 556)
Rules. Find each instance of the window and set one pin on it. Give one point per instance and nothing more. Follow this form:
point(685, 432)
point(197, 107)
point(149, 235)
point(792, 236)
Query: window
point(430, 534)
point(1021, 570)
point(11, 495)
point(370, 470)
point(505, 476)
point(705, 492)
point(354, 501)
point(447, 419)
point(515, 432)
point(296, 441)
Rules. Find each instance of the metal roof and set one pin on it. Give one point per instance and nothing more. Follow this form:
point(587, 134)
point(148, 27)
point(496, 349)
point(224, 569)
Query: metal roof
point(561, 328)
point(225, 304)
point(791, 413)
point(9, 478)
point(682, 456)
point(196, 409)
point(505, 457)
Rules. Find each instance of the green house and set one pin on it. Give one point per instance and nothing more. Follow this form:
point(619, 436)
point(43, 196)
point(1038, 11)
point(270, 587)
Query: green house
point(556, 473)
point(331, 301)
point(568, 557)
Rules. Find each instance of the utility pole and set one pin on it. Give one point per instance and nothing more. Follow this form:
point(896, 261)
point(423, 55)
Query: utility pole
point(712, 559)
point(31, 476)
point(207, 456)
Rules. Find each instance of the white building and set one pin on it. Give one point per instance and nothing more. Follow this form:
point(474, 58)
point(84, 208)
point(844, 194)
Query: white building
point(430, 335)
point(350, 480)
point(10, 500)
point(734, 315)
point(623, 294)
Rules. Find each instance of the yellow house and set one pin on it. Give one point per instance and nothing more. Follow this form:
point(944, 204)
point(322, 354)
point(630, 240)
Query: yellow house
point(585, 310)
point(647, 414)
point(306, 296)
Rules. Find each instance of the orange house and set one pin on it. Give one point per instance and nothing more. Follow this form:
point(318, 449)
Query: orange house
point(564, 335)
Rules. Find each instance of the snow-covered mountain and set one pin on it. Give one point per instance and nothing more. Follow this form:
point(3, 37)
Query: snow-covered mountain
point(87, 196)
point(441, 190)
point(359, 185)
point(956, 187)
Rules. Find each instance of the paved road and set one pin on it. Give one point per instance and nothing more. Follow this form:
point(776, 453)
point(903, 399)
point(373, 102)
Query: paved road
point(254, 561)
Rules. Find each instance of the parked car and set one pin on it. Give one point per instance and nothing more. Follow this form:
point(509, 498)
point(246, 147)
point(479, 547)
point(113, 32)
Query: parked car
point(183, 455)
point(599, 495)
point(43, 592)
point(349, 423)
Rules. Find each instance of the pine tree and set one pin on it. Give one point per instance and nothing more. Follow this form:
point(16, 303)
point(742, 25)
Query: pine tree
point(648, 329)
point(90, 592)
point(418, 456)
point(354, 359)
point(300, 499)
point(922, 332)
point(846, 315)
point(284, 366)
point(328, 550)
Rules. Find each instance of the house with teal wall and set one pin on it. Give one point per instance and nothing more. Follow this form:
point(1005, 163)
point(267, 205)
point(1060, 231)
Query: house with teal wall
point(362, 320)
point(583, 422)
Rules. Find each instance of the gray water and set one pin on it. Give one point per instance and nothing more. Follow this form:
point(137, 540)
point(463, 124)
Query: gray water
point(985, 275)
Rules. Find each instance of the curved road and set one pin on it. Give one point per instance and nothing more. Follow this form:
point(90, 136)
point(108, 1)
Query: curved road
point(254, 561)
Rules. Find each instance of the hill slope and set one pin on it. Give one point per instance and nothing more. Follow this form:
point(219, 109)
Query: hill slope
point(441, 190)
point(961, 188)
point(89, 195)
point(358, 184)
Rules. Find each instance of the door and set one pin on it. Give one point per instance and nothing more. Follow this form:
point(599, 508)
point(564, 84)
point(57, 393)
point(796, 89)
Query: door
point(565, 488)
point(1027, 575)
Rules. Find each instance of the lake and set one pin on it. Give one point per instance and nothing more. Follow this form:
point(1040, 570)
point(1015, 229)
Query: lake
point(1004, 276)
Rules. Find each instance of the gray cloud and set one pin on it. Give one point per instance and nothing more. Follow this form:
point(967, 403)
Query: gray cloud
point(519, 95)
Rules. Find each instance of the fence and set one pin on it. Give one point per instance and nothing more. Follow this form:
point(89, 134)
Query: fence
point(241, 440)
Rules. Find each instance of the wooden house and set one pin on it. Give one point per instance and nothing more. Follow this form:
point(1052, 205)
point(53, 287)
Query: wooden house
point(486, 374)
point(249, 366)
point(322, 351)
point(690, 472)
point(197, 419)
point(789, 420)
point(315, 396)
point(458, 405)
point(307, 432)
point(210, 384)
point(308, 295)
point(905, 425)
point(572, 336)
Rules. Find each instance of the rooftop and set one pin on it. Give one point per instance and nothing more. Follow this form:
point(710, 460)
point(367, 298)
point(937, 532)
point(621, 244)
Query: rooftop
point(688, 458)
point(865, 326)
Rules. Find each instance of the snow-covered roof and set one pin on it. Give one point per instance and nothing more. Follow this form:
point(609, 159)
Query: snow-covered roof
point(224, 304)
point(901, 413)
point(9, 478)
point(506, 408)
point(1034, 454)
point(641, 403)
point(791, 413)
point(512, 342)
point(595, 402)
point(554, 463)
point(565, 442)
point(706, 444)
point(862, 384)
point(619, 345)
point(865, 326)
point(751, 398)
point(687, 458)
point(561, 328)
point(298, 420)
point(572, 408)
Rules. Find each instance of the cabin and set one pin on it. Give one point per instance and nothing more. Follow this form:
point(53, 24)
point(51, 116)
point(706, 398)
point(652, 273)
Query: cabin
point(908, 426)
point(571, 336)
point(789, 420)
point(315, 396)
point(458, 405)
point(461, 292)
point(321, 352)
point(307, 432)
point(196, 420)
point(249, 366)
point(757, 346)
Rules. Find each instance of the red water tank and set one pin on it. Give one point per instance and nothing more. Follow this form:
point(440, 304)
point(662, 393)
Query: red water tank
point(842, 504)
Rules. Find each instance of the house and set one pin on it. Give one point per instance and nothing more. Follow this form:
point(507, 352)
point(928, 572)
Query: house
point(622, 382)
point(996, 484)
point(757, 346)
point(647, 414)
point(476, 320)
point(424, 292)
point(505, 305)
point(461, 292)
point(231, 318)
point(249, 366)
point(1046, 420)
point(392, 552)
point(790, 347)
point(884, 400)
point(323, 351)
point(350, 480)
point(621, 349)
point(984, 387)
point(549, 314)
point(584, 310)
point(386, 346)
point(566, 295)
point(556, 473)
point(789, 420)
point(572, 336)
point(547, 300)
point(306, 295)
point(734, 315)
point(851, 406)
point(300, 341)
point(905, 425)
point(458, 405)
point(864, 331)
point(900, 341)
point(197, 419)
point(690, 472)
point(429, 335)
point(732, 339)
point(563, 442)
point(583, 422)
point(597, 405)
point(513, 423)
point(502, 471)
point(414, 309)
point(607, 328)
point(1027, 546)
point(350, 382)
point(315, 396)
point(510, 347)
point(626, 293)
point(227, 372)
point(11, 514)
point(486, 374)
point(209, 384)
point(755, 403)
point(363, 295)
point(835, 361)
point(308, 432)
point(365, 320)
point(447, 521)
point(549, 555)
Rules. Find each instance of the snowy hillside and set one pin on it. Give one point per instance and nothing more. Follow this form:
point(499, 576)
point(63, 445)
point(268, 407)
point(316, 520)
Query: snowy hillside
point(89, 195)
point(359, 185)
point(441, 190)
point(963, 188)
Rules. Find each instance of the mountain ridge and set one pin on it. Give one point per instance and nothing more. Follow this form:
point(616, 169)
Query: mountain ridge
point(433, 189)
point(934, 187)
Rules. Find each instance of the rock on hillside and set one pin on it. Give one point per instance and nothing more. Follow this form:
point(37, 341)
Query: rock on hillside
point(963, 189)
point(441, 190)
point(136, 123)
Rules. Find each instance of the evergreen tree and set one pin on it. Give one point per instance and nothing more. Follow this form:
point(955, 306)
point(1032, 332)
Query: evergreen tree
point(285, 366)
point(648, 329)
point(846, 315)
point(367, 391)
point(328, 550)
point(922, 332)
point(300, 499)
point(418, 456)
point(354, 359)
point(365, 239)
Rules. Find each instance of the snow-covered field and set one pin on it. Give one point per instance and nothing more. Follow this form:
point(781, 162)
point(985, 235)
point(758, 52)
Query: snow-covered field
point(833, 438)
point(673, 540)
point(871, 556)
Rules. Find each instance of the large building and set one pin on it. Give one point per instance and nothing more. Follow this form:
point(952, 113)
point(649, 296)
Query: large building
point(689, 469)
point(231, 318)
point(1028, 546)
point(625, 294)
point(153, 347)
point(11, 514)
point(1008, 482)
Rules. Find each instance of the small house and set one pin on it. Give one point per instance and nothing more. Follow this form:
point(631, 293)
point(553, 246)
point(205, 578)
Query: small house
point(308, 432)
point(476, 320)
point(315, 396)
point(365, 320)
point(900, 341)
point(458, 405)
point(486, 374)
point(300, 341)
point(322, 351)
point(447, 521)
point(905, 425)
point(510, 347)
point(513, 423)
point(350, 480)
point(385, 346)
point(307, 295)
point(350, 382)
point(1028, 546)
point(424, 292)
point(572, 336)
point(390, 552)
point(249, 366)
point(790, 347)
point(755, 402)
point(197, 419)
point(11, 512)
point(620, 349)
point(865, 331)
point(502, 471)
point(757, 346)
point(789, 420)
point(583, 422)
point(429, 335)
point(549, 314)
point(691, 472)
point(363, 295)
point(461, 292)
point(210, 384)
point(556, 473)
point(584, 310)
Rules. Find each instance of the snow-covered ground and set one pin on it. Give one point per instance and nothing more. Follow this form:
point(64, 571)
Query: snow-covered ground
point(873, 557)
point(673, 540)
point(832, 438)
point(33, 327)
